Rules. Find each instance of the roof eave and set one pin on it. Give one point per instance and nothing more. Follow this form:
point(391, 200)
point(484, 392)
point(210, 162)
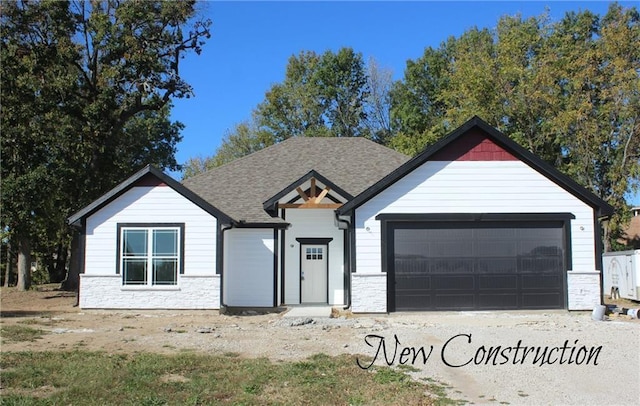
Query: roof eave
point(276, 225)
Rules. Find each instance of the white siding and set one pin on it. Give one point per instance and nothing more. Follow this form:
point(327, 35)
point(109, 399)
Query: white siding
point(248, 267)
point(472, 187)
point(160, 204)
point(313, 223)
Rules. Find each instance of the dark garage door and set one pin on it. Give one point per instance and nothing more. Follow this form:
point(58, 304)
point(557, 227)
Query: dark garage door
point(476, 265)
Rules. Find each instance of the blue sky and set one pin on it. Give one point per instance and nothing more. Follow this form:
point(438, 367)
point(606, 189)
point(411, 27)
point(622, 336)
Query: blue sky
point(252, 41)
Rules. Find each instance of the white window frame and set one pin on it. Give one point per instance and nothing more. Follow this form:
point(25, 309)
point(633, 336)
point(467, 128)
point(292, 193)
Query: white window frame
point(149, 256)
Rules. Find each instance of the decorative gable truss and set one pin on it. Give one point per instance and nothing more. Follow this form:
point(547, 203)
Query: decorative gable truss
point(312, 191)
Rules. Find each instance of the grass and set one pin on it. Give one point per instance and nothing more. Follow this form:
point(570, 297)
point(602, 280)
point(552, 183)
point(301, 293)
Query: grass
point(439, 392)
point(80, 377)
point(17, 333)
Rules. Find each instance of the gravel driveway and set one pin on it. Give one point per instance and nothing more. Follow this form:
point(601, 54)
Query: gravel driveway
point(534, 358)
point(611, 377)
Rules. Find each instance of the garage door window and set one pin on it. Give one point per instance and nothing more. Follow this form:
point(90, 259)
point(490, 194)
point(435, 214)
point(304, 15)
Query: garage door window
point(478, 250)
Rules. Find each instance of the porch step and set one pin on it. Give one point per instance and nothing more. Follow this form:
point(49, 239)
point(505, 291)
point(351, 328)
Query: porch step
point(308, 311)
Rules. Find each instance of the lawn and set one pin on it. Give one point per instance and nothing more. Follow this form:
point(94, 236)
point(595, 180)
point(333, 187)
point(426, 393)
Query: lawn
point(188, 378)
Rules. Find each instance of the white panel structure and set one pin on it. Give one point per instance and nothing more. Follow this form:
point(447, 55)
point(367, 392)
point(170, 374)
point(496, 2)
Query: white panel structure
point(313, 223)
point(622, 274)
point(471, 187)
point(197, 288)
point(248, 267)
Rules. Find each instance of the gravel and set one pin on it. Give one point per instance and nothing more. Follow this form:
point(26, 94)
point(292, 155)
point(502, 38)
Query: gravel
point(459, 346)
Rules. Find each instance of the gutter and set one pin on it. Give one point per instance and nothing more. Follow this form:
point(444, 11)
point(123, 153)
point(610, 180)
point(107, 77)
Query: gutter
point(221, 263)
point(348, 224)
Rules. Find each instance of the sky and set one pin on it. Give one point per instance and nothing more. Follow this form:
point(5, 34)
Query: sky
point(251, 43)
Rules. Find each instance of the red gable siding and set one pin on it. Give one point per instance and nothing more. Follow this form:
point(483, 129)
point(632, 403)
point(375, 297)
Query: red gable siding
point(473, 146)
point(149, 180)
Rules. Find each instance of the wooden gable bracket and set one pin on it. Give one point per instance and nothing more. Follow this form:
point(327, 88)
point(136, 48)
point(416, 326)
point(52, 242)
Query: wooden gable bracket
point(311, 202)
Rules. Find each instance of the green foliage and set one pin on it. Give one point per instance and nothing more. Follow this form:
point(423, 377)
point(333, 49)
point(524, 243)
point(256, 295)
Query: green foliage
point(567, 91)
point(20, 333)
point(322, 95)
point(86, 90)
point(100, 378)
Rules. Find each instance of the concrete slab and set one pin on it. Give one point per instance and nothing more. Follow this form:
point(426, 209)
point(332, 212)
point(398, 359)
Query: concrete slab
point(308, 311)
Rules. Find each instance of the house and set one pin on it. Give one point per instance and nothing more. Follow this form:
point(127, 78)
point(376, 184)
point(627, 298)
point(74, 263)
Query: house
point(631, 234)
point(474, 222)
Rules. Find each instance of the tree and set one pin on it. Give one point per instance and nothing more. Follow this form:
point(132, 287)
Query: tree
point(36, 63)
point(599, 122)
point(322, 95)
point(566, 91)
point(377, 105)
point(243, 140)
point(417, 111)
point(86, 91)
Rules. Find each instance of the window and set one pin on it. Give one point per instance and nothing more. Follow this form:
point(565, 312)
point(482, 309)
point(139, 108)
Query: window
point(314, 253)
point(150, 255)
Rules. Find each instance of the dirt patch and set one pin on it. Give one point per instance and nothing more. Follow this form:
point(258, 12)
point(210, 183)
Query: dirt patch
point(41, 301)
point(174, 378)
point(161, 331)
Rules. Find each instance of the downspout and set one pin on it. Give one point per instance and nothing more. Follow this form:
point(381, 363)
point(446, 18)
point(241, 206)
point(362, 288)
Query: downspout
point(599, 223)
point(221, 263)
point(348, 224)
point(78, 257)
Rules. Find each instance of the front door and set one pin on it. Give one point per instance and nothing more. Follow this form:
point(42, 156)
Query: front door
point(313, 274)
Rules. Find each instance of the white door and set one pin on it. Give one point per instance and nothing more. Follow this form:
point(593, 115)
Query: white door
point(313, 275)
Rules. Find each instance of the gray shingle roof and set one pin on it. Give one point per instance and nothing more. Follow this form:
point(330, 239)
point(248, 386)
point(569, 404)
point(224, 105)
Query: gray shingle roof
point(239, 188)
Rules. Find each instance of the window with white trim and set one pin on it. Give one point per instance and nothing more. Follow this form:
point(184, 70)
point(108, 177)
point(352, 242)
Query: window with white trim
point(150, 255)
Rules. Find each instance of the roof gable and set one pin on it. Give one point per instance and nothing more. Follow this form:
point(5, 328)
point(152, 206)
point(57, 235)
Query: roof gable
point(147, 176)
point(474, 146)
point(468, 142)
point(271, 204)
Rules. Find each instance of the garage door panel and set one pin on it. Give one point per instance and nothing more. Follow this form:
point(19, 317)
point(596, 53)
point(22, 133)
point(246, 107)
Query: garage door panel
point(547, 300)
point(495, 265)
point(490, 248)
point(543, 281)
point(457, 265)
point(477, 265)
point(406, 282)
point(497, 282)
point(497, 301)
point(415, 301)
point(453, 282)
point(454, 302)
point(412, 266)
point(539, 265)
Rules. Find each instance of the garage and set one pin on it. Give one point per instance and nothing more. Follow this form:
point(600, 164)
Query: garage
point(482, 263)
point(475, 222)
